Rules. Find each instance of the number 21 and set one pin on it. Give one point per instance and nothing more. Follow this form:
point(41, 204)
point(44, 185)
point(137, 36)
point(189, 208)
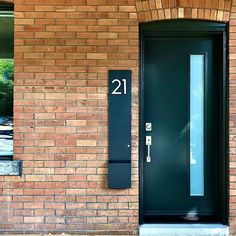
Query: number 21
point(115, 91)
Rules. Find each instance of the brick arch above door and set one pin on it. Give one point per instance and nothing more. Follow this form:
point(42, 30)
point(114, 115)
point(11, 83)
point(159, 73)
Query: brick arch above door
point(151, 10)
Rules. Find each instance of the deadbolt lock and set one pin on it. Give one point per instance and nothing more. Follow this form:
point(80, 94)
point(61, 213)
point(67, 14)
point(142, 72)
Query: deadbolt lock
point(148, 126)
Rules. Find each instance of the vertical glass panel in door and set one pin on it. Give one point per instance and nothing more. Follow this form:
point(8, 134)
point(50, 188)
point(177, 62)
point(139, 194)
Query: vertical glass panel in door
point(197, 72)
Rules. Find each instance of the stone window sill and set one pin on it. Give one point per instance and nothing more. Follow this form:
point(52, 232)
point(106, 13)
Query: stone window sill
point(10, 168)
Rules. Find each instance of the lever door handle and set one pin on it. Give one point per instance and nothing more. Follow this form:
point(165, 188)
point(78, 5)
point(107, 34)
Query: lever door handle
point(148, 144)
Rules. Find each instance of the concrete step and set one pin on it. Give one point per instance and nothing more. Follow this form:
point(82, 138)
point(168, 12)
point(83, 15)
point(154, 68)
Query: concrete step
point(184, 230)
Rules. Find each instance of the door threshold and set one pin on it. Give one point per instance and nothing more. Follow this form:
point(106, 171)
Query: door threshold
point(183, 230)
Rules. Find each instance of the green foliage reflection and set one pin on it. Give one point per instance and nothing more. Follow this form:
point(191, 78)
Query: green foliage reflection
point(6, 87)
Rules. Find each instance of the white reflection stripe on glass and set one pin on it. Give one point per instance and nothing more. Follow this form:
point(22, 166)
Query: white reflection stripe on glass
point(197, 125)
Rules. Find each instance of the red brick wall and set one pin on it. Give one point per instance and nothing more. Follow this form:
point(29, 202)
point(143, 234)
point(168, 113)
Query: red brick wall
point(63, 50)
point(232, 111)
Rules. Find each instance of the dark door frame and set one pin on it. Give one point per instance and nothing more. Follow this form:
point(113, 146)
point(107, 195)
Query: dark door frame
point(189, 28)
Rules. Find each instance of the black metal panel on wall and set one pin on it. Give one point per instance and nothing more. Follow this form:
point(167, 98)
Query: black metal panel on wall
point(119, 124)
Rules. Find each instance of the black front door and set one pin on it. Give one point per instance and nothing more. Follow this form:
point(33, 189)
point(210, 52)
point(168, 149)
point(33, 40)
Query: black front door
point(182, 162)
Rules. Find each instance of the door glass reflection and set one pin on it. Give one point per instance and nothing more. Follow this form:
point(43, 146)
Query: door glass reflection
point(197, 125)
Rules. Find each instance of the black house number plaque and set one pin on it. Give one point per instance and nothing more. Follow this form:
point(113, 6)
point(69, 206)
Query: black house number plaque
point(119, 125)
